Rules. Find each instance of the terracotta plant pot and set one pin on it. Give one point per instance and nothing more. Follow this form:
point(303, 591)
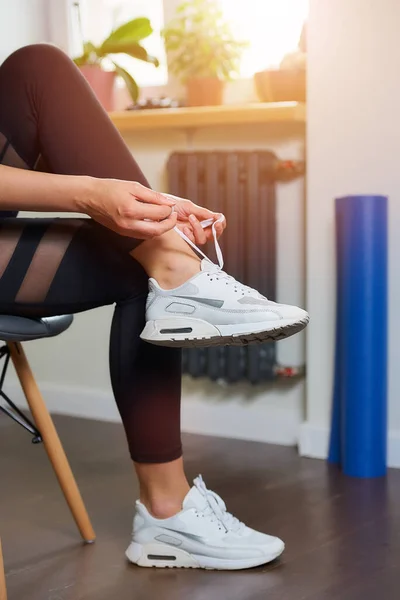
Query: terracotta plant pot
point(285, 85)
point(102, 83)
point(205, 91)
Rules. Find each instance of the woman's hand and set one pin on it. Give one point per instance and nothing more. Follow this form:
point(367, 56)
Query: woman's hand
point(134, 210)
point(189, 217)
point(128, 208)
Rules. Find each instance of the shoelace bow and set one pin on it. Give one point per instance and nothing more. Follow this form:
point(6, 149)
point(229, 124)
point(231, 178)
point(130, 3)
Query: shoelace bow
point(216, 507)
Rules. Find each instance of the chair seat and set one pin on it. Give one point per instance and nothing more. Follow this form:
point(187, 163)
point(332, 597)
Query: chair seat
point(22, 329)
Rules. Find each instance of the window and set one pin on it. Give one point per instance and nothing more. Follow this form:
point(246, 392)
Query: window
point(272, 27)
point(100, 17)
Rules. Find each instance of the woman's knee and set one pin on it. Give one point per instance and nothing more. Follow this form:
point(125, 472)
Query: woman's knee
point(38, 58)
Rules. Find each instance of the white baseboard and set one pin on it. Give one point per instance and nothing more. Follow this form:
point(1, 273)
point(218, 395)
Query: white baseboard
point(271, 415)
point(71, 401)
point(314, 440)
point(258, 413)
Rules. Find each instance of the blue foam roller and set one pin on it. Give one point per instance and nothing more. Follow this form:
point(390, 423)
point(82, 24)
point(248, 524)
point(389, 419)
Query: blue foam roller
point(361, 223)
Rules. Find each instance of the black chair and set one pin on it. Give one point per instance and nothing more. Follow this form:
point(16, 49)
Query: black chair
point(13, 331)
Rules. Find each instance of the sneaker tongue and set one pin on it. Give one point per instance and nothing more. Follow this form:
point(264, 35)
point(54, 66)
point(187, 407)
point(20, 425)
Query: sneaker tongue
point(194, 499)
point(207, 265)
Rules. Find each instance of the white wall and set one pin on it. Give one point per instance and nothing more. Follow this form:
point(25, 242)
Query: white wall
point(22, 22)
point(353, 146)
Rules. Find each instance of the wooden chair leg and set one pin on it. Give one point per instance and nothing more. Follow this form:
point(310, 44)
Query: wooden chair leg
point(51, 441)
point(3, 591)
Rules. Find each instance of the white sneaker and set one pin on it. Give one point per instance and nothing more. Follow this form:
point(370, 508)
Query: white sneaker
point(202, 536)
point(213, 309)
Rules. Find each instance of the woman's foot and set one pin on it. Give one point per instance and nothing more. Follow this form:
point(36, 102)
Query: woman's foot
point(212, 308)
point(203, 535)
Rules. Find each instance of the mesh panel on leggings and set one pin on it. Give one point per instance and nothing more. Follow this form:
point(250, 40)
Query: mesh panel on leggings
point(9, 239)
point(46, 260)
point(43, 254)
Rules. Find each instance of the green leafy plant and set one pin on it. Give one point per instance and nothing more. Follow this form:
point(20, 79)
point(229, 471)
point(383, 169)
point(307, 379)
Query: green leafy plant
point(200, 43)
point(124, 40)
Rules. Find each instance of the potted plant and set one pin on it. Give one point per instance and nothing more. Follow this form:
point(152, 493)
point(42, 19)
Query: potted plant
point(202, 51)
point(124, 40)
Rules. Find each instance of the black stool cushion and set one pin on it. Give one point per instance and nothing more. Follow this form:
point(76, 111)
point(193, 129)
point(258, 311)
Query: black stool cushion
point(21, 329)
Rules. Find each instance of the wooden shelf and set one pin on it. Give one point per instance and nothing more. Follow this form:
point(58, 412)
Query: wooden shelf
point(206, 116)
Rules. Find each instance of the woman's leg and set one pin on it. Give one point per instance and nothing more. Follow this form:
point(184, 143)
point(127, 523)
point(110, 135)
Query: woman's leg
point(54, 266)
point(48, 114)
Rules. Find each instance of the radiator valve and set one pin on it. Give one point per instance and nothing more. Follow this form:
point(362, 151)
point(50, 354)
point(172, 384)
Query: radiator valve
point(286, 170)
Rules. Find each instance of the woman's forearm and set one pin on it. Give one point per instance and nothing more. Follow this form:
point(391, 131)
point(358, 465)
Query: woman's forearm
point(29, 190)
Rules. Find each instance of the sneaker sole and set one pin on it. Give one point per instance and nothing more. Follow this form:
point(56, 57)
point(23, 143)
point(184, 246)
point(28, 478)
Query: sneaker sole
point(163, 556)
point(194, 333)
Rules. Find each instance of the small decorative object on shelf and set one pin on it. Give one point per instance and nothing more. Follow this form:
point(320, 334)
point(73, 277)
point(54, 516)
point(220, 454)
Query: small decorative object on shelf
point(202, 51)
point(288, 83)
point(123, 40)
point(153, 103)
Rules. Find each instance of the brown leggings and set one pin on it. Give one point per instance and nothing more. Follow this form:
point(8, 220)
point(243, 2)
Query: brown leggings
point(49, 115)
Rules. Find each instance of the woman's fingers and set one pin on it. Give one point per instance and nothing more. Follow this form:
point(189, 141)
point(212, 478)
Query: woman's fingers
point(201, 213)
point(219, 228)
point(151, 211)
point(185, 208)
point(189, 233)
point(177, 199)
point(198, 232)
point(150, 229)
point(147, 195)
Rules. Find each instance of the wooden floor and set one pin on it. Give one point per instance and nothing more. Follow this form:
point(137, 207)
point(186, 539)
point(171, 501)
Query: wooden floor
point(342, 536)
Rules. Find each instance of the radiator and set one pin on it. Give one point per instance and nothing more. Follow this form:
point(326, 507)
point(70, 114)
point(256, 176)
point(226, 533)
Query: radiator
point(242, 186)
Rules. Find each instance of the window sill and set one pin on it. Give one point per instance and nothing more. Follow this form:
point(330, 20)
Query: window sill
point(206, 116)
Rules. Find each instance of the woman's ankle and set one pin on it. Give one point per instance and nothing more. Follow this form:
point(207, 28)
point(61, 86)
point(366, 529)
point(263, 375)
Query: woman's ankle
point(175, 270)
point(163, 487)
point(162, 508)
point(168, 259)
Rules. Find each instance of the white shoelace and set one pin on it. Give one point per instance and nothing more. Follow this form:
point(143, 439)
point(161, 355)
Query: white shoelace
point(205, 224)
point(217, 508)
